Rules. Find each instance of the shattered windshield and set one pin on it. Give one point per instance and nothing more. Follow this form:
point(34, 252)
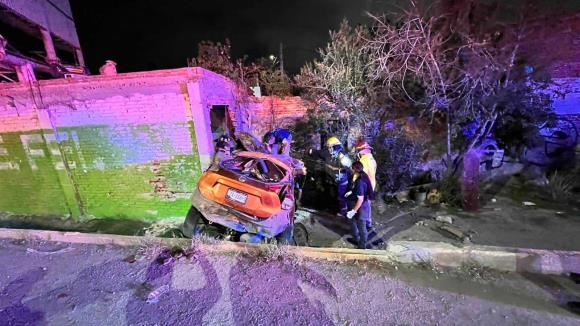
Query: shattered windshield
point(259, 169)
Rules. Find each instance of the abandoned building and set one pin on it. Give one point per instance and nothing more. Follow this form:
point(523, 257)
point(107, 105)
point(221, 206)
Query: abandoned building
point(38, 40)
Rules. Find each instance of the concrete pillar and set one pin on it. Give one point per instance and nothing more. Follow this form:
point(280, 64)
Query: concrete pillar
point(80, 58)
point(25, 73)
point(48, 46)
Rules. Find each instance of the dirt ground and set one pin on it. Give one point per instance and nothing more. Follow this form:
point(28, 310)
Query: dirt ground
point(44, 283)
point(503, 220)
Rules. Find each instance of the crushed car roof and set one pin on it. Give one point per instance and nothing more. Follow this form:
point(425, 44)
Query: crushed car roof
point(266, 156)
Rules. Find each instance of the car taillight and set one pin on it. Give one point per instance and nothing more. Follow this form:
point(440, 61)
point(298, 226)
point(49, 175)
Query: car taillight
point(275, 188)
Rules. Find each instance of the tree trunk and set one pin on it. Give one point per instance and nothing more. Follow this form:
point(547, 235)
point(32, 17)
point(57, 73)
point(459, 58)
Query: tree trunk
point(448, 158)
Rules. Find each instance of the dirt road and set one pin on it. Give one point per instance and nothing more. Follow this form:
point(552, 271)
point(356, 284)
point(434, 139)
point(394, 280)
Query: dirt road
point(64, 284)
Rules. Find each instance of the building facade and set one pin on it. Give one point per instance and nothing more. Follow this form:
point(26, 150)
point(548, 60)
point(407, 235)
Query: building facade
point(39, 40)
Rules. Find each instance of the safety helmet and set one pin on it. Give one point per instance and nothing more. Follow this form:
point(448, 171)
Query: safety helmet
point(362, 144)
point(332, 141)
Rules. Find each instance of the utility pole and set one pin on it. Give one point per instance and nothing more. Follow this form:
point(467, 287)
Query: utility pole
point(281, 58)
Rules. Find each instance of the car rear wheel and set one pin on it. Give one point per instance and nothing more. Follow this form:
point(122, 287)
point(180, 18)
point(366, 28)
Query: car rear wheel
point(193, 222)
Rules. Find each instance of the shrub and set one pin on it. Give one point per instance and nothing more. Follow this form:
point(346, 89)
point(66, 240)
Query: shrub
point(451, 191)
point(397, 157)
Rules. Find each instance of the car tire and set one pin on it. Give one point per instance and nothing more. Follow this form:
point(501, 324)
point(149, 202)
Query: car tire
point(193, 223)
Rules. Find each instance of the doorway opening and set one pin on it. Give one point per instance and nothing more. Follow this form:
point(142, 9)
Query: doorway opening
point(220, 121)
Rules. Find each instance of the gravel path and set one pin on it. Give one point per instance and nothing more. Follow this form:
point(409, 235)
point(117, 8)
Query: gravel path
point(63, 284)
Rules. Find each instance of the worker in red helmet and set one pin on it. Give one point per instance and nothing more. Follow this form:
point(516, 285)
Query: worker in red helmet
point(365, 156)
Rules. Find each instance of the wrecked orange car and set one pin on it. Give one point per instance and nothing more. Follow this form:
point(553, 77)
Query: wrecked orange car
point(248, 198)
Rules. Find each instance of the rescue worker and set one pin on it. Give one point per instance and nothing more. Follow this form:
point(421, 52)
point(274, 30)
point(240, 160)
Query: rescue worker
point(223, 151)
point(340, 167)
point(360, 213)
point(278, 141)
point(365, 156)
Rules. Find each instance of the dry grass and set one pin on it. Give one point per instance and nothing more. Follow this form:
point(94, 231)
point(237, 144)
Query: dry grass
point(560, 185)
point(164, 228)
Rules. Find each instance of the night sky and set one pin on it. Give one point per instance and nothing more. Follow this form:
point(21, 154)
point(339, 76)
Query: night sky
point(147, 34)
point(151, 34)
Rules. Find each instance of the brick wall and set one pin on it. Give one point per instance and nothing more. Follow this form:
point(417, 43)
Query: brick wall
point(125, 146)
point(271, 112)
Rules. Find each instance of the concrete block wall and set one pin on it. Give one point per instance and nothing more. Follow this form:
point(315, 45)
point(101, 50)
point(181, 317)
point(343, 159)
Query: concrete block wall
point(122, 146)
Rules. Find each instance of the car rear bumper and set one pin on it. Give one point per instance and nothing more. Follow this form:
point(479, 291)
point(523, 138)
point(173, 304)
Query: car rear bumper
point(236, 220)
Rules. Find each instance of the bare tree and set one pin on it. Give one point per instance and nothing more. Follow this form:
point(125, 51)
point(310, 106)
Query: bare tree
point(450, 66)
point(339, 81)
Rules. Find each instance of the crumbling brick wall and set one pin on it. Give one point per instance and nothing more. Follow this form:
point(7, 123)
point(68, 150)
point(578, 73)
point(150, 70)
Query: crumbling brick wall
point(270, 112)
point(125, 146)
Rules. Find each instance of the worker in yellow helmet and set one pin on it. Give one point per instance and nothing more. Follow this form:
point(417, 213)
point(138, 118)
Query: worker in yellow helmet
point(365, 156)
point(340, 167)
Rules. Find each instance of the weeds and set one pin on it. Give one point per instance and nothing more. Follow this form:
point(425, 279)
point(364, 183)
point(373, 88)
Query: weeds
point(451, 191)
point(202, 238)
point(166, 228)
point(430, 265)
point(560, 185)
point(475, 271)
point(150, 248)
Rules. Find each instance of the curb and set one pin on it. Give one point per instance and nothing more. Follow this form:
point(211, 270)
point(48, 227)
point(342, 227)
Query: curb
point(521, 260)
point(405, 252)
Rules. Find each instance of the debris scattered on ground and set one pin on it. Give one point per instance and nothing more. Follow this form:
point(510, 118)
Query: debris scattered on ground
point(402, 196)
point(421, 223)
point(493, 200)
point(61, 296)
point(153, 296)
point(444, 218)
point(46, 253)
point(130, 259)
point(434, 197)
point(455, 232)
point(528, 203)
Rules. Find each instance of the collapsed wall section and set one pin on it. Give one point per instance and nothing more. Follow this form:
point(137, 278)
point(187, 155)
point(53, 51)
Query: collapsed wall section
point(271, 112)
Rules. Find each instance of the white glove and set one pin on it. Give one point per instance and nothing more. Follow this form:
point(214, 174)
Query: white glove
point(347, 194)
point(350, 214)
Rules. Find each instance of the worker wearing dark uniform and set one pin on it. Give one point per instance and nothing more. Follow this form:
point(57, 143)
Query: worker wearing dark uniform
point(278, 141)
point(360, 213)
